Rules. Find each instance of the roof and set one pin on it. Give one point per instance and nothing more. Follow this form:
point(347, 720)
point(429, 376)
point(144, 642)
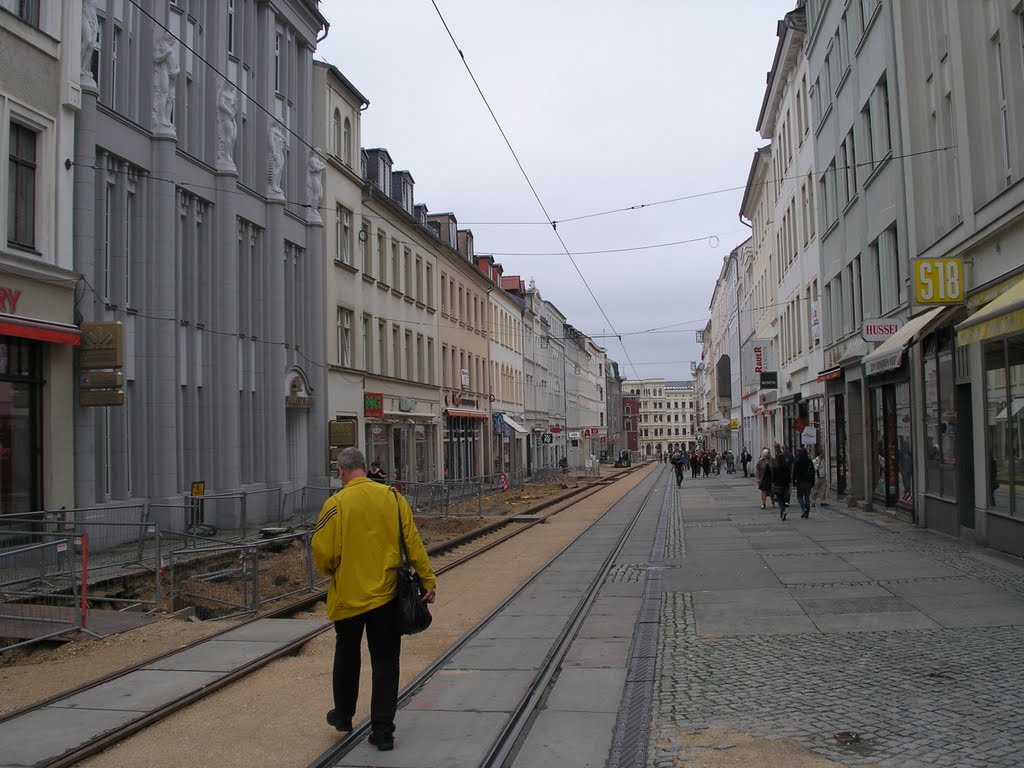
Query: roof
point(344, 80)
point(760, 155)
point(794, 22)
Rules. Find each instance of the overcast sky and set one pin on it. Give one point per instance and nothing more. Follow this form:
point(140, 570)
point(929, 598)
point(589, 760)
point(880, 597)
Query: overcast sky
point(608, 104)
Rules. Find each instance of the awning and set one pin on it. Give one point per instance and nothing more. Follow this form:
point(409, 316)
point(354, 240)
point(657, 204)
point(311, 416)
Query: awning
point(514, 424)
point(40, 330)
point(997, 318)
point(889, 354)
point(1018, 403)
point(830, 374)
point(458, 413)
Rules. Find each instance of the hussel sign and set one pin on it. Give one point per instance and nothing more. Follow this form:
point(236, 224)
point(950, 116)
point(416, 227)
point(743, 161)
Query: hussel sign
point(880, 330)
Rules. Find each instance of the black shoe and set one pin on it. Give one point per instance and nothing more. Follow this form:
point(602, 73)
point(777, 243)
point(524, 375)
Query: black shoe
point(385, 742)
point(806, 514)
point(338, 723)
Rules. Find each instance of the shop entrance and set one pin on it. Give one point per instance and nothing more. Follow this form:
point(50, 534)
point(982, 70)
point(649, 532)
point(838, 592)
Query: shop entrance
point(891, 433)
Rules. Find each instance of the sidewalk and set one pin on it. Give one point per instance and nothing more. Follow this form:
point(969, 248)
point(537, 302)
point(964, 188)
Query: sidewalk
point(845, 622)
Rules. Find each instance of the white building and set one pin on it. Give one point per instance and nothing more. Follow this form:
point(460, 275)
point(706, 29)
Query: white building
point(785, 121)
point(669, 414)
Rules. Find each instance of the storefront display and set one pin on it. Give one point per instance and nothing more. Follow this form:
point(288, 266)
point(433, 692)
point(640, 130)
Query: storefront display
point(837, 442)
point(940, 419)
point(1004, 420)
point(20, 422)
point(892, 440)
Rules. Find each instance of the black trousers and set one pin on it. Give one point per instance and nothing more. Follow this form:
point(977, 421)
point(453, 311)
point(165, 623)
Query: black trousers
point(385, 648)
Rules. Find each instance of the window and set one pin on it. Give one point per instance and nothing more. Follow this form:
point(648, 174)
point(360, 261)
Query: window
point(410, 369)
point(444, 365)
point(407, 261)
point(129, 236)
point(884, 136)
point(381, 238)
point(430, 285)
point(421, 362)
point(810, 205)
point(867, 129)
point(367, 344)
point(396, 351)
point(28, 10)
point(344, 337)
point(940, 415)
point(347, 144)
point(277, 62)
point(396, 268)
point(444, 294)
point(1002, 107)
point(21, 184)
point(382, 348)
point(890, 270)
point(419, 279)
point(382, 259)
point(343, 231)
point(430, 361)
point(1004, 380)
point(231, 26)
point(336, 133)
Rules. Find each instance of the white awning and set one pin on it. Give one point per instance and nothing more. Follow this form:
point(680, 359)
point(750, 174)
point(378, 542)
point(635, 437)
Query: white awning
point(514, 424)
point(1018, 403)
point(889, 354)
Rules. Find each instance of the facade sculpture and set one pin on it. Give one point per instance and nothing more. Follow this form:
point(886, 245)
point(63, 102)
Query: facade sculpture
point(275, 161)
point(314, 185)
point(227, 129)
point(165, 80)
point(90, 39)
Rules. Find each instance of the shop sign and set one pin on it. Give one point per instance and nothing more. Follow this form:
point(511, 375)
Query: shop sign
point(101, 380)
point(798, 425)
point(809, 435)
point(770, 380)
point(547, 438)
point(467, 402)
point(406, 404)
point(555, 430)
point(9, 299)
point(938, 281)
point(373, 404)
point(379, 434)
point(421, 434)
point(757, 358)
point(815, 321)
point(102, 346)
point(298, 394)
point(574, 435)
point(98, 398)
point(199, 488)
point(880, 330)
point(734, 423)
point(342, 433)
point(465, 378)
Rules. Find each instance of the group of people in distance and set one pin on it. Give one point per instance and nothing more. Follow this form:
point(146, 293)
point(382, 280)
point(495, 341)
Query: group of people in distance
point(776, 477)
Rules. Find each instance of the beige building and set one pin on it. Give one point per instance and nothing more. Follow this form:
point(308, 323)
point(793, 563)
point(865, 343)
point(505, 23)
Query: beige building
point(40, 93)
point(668, 415)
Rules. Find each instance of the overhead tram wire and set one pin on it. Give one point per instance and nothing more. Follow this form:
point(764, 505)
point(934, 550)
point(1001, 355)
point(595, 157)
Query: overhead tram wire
point(554, 225)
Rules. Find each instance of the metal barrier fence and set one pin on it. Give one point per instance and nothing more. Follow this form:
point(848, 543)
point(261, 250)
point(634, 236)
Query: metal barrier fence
point(39, 590)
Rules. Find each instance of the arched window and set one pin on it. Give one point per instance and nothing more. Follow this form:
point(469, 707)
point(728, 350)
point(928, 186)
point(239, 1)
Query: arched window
point(347, 158)
point(336, 133)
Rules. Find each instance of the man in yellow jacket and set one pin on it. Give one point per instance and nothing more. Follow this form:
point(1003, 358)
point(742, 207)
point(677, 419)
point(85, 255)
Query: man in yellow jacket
point(356, 544)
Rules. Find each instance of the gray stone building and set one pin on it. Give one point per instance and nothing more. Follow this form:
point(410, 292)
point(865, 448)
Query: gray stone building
point(197, 226)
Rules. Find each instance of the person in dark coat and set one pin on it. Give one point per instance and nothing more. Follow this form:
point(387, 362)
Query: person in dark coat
point(782, 481)
point(803, 479)
point(695, 463)
point(706, 464)
point(763, 475)
point(745, 460)
point(678, 462)
point(376, 473)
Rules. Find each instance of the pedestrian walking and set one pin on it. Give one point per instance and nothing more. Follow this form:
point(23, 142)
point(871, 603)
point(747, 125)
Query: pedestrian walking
point(782, 482)
point(356, 543)
point(695, 463)
point(820, 492)
point(706, 464)
point(803, 479)
point(745, 460)
point(678, 463)
point(763, 475)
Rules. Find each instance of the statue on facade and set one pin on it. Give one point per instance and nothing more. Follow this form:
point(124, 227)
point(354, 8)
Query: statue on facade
point(165, 80)
point(275, 160)
point(227, 128)
point(90, 39)
point(314, 185)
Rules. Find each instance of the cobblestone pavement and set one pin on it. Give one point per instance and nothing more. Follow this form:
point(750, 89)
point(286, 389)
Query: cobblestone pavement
point(944, 691)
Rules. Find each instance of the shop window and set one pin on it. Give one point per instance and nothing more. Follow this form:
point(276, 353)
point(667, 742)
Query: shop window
point(940, 415)
point(1004, 414)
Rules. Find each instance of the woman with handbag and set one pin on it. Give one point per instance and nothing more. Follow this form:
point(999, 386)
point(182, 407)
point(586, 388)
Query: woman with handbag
point(362, 540)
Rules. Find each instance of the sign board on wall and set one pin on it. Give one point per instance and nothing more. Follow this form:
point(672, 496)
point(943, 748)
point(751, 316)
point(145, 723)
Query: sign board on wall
point(770, 380)
point(880, 330)
point(938, 281)
point(809, 436)
point(373, 404)
point(757, 358)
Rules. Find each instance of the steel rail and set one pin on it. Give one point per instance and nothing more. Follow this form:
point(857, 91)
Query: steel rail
point(110, 738)
point(515, 728)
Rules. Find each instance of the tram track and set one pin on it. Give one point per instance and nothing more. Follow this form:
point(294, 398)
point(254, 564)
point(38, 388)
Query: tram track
point(477, 542)
point(503, 750)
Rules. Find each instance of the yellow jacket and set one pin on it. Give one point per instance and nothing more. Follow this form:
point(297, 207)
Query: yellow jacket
point(356, 543)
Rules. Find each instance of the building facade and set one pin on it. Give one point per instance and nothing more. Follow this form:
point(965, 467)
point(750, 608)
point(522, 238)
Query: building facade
point(40, 94)
point(667, 415)
point(197, 227)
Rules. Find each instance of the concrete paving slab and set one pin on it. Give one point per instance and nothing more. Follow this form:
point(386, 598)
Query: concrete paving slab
point(537, 626)
point(274, 630)
point(567, 740)
point(598, 652)
point(500, 654)
point(946, 588)
point(964, 616)
point(860, 605)
point(872, 622)
point(622, 589)
point(139, 691)
point(612, 606)
point(561, 605)
point(588, 689)
point(745, 597)
point(879, 566)
point(813, 591)
point(809, 562)
point(607, 626)
point(436, 739)
point(473, 691)
point(215, 656)
point(821, 577)
point(746, 572)
point(48, 732)
point(733, 625)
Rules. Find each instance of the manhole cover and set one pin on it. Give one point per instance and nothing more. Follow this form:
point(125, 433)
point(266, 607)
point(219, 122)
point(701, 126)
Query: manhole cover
point(847, 737)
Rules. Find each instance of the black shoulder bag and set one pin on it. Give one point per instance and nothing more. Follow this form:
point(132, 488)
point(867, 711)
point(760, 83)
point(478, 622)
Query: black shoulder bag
point(412, 613)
